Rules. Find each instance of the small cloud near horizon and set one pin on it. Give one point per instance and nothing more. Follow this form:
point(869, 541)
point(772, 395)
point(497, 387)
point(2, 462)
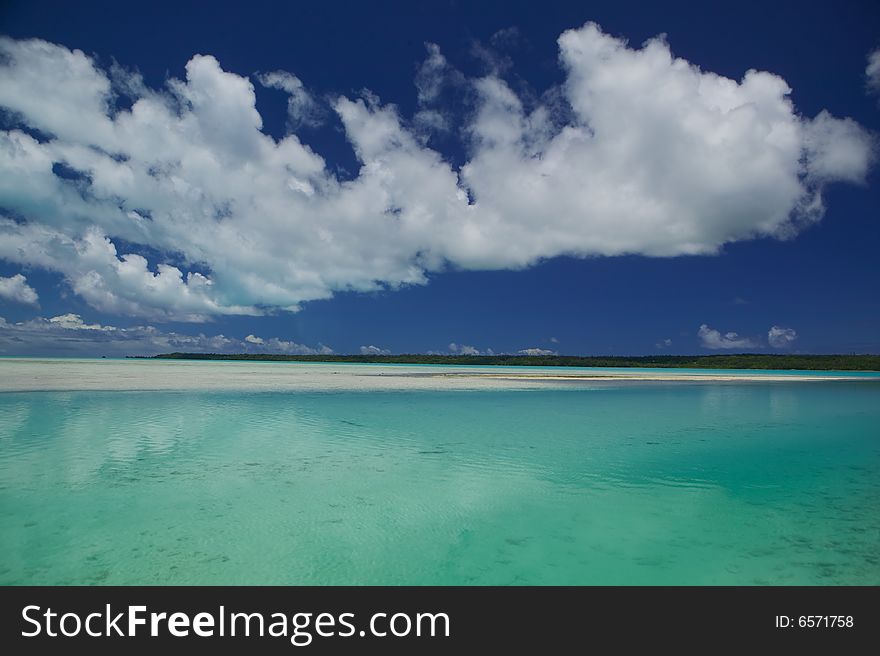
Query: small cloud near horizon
point(536, 351)
point(69, 334)
point(713, 339)
point(465, 349)
point(374, 350)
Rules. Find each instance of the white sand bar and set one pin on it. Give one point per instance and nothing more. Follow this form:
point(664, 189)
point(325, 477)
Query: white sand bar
point(33, 374)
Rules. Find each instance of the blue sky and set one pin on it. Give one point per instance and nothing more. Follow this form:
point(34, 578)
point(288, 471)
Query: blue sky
point(444, 177)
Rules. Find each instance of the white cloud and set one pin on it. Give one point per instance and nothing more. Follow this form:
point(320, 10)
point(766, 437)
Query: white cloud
point(119, 284)
point(834, 149)
point(374, 350)
point(651, 156)
point(254, 344)
point(463, 349)
point(431, 74)
point(779, 337)
point(429, 121)
point(713, 339)
point(433, 77)
point(663, 343)
point(69, 334)
point(554, 340)
point(15, 288)
point(536, 351)
point(872, 72)
point(302, 108)
point(72, 321)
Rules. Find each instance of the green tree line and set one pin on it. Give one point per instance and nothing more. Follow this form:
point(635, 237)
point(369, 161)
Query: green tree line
point(726, 361)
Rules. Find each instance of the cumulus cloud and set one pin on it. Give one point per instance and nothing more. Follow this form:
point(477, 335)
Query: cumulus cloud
point(120, 284)
point(181, 207)
point(663, 343)
point(72, 321)
point(779, 337)
point(872, 72)
point(536, 351)
point(713, 339)
point(374, 350)
point(16, 289)
point(69, 334)
point(833, 148)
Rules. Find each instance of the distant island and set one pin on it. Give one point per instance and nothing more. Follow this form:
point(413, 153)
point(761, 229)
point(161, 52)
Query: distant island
point(738, 361)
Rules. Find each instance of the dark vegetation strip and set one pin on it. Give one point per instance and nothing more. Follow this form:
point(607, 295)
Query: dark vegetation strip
point(737, 361)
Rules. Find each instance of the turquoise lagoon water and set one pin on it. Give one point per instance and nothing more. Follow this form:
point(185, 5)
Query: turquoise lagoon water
point(613, 483)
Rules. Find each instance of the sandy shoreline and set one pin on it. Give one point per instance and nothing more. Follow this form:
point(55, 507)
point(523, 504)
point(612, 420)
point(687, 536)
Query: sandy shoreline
point(660, 377)
point(30, 375)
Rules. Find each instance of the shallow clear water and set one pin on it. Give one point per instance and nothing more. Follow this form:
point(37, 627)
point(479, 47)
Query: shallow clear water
point(613, 483)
